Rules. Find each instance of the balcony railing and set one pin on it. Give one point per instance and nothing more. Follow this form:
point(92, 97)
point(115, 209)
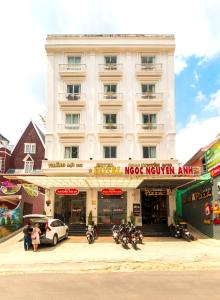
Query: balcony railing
point(148, 67)
point(72, 68)
point(150, 127)
point(110, 96)
point(71, 96)
point(110, 127)
point(110, 67)
point(70, 128)
point(149, 96)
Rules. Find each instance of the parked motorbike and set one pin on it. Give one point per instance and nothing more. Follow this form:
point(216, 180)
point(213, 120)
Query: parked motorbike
point(175, 231)
point(131, 234)
point(186, 235)
point(90, 234)
point(115, 233)
point(123, 235)
point(139, 236)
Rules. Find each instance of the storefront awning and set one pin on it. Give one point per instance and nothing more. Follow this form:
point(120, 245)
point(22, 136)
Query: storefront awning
point(81, 182)
point(130, 182)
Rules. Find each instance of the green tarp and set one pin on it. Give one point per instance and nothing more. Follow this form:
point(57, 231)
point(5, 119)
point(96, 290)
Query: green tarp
point(202, 179)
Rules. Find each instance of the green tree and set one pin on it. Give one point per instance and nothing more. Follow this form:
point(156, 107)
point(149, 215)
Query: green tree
point(132, 218)
point(90, 218)
point(3, 221)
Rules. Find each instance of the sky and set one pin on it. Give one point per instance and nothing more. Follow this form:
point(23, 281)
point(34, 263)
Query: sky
point(24, 25)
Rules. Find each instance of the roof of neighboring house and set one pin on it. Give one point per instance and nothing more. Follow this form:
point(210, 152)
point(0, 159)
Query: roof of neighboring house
point(2, 138)
point(40, 133)
point(199, 154)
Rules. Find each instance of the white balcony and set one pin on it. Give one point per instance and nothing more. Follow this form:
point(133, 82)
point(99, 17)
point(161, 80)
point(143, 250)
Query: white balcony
point(146, 71)
point(72, 70)
point(149, 100)
point(151, 131)
point(110, 100)
point(110, 71)
point(71, 132)
point(110, 131)
point(71, 101)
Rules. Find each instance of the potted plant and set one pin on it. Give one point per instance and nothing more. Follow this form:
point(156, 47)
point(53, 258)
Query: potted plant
point(90, 218)
point(48, 202)
point(132, 218)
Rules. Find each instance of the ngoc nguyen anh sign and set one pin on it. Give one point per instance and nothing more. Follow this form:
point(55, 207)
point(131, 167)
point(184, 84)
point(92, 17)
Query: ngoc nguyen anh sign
point(141, 169)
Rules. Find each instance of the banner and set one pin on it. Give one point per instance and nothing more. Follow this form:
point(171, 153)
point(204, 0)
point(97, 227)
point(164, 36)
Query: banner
point(212, 156)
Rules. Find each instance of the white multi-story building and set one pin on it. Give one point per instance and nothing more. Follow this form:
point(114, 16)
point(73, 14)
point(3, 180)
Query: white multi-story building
point(110, 109)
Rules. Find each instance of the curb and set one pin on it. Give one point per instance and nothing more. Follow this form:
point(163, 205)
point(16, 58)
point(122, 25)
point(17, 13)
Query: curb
point(4, 239)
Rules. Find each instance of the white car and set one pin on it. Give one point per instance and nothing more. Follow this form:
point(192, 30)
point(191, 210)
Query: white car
point(52, 230)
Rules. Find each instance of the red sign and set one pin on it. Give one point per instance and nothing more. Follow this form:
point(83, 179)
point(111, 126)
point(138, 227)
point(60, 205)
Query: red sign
point(216, 171)
point(108, 192)
point(67, 191)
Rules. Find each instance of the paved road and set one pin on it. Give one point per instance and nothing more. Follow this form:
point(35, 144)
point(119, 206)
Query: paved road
point(104, 286)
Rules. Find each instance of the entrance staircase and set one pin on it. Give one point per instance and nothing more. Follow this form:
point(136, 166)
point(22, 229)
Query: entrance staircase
point(77, 229)
point(106, 230)
point(155, 230)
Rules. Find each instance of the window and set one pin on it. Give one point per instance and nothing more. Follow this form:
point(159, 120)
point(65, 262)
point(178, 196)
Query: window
point(110, 91)
point(71, 152)
point(149, 151)
point(148, 91)
point(149, 118)
point(72, 121)
point(148, 88)
point(147, 60)
point(28, 166)
point(110, 152)
point(30, 148)
point(110, 121)
point(73, 91)
point(111, 62)
point(75, 60)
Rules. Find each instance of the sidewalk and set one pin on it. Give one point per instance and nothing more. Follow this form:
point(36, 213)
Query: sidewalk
point(75, 255)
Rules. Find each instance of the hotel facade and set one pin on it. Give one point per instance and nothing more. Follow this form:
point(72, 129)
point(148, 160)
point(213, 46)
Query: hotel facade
point(110, 129)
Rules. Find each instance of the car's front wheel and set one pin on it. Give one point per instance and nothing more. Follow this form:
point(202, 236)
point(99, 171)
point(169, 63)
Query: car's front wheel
point(55, 240)
point(66, 235)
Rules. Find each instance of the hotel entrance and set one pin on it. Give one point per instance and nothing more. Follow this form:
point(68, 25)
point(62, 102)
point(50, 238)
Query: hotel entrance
point(112, 209)
point(154, 207)
point(71, 209)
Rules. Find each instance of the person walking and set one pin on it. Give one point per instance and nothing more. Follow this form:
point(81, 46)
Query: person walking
point(35, 237)
point(27, 236)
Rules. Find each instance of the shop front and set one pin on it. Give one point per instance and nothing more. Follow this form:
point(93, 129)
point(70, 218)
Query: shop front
point(70, 207)
point(112, 206)
point(111, 193)
point(154, 206)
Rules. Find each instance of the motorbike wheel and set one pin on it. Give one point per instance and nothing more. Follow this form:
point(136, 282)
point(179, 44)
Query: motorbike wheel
point(187, 238)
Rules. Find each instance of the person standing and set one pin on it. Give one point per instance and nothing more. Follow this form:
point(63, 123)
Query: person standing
point(35, 237)
point(27, 236)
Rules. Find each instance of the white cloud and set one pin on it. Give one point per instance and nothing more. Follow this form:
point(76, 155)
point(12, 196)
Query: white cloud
point(196, 135)
point(214, 103)
point(22, 59)
point(200, 97)
point(180, 64)
point(23, 28)
point(196, 75)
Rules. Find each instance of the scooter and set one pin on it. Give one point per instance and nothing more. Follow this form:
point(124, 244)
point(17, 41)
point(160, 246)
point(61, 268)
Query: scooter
point(115, 233)
point(90, 234)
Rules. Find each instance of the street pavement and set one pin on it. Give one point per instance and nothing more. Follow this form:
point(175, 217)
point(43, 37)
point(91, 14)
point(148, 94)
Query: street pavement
point(130, 286)
point(75, 255)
